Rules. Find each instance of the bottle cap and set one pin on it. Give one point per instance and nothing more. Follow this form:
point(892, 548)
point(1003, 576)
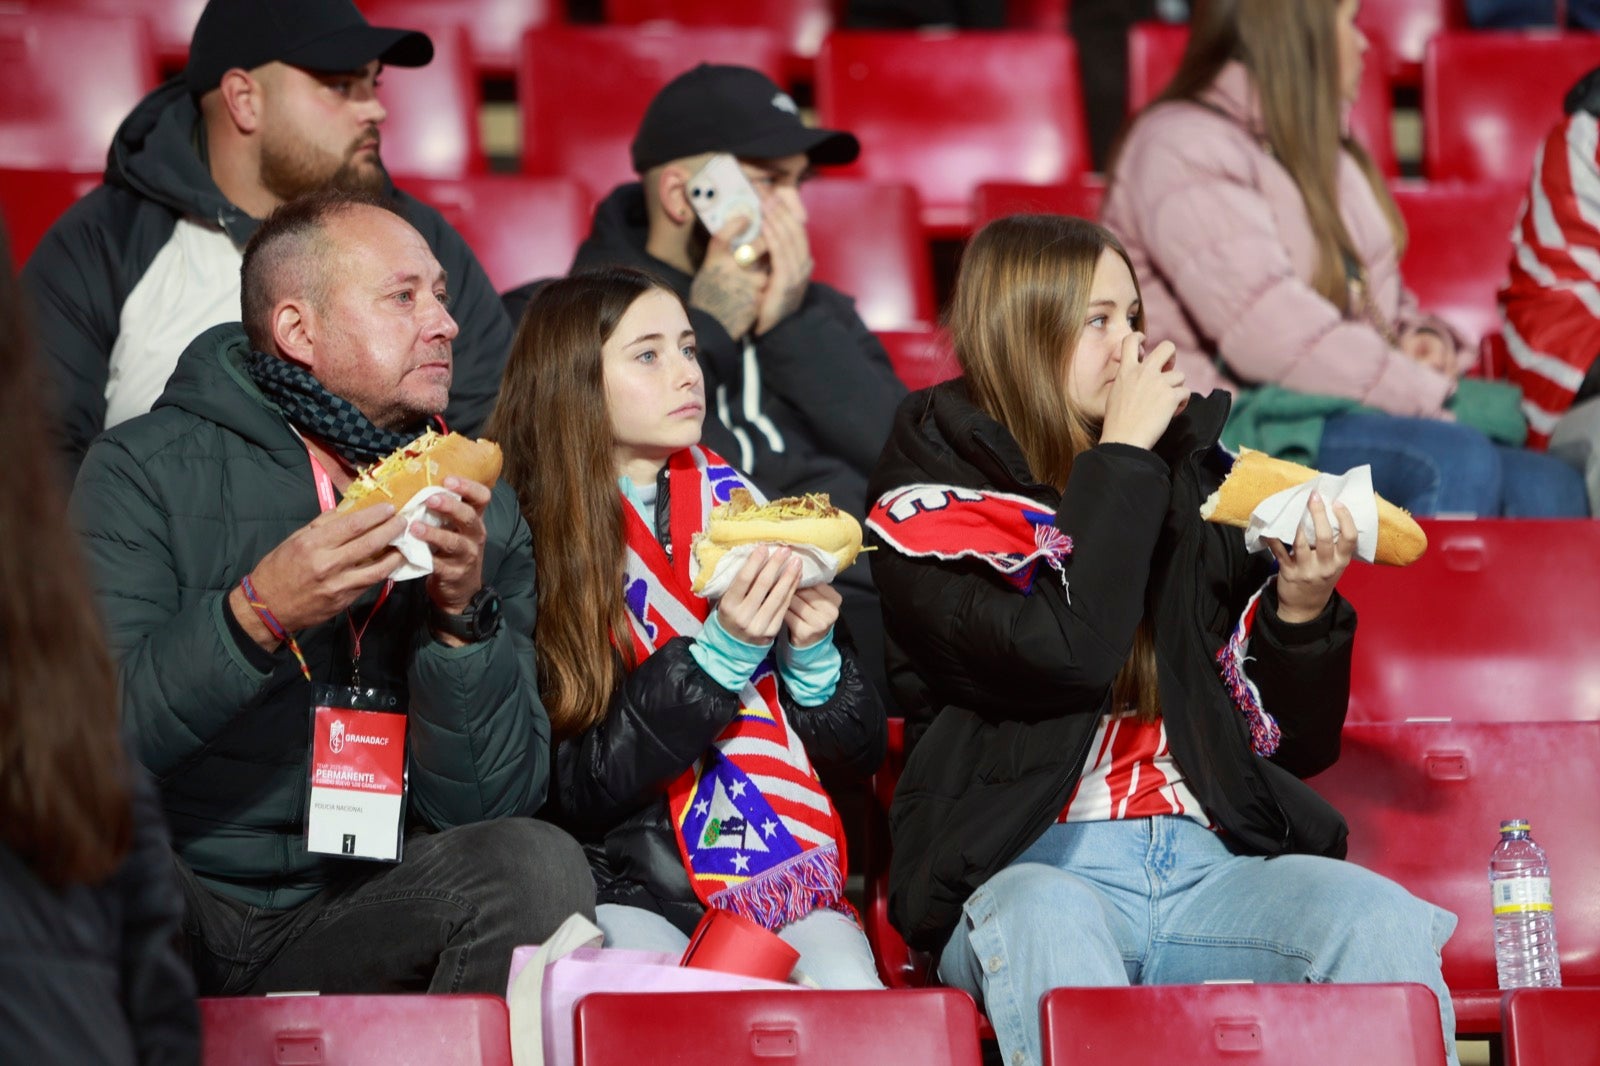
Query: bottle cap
point(1514, 825)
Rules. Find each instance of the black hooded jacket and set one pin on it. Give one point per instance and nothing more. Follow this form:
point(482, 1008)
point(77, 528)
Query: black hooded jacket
point(612, 779)
point(88, 263)
point(1010, 687)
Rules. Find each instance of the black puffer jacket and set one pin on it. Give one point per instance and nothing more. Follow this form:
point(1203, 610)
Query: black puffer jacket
point(611, 780)
point(1014, 685)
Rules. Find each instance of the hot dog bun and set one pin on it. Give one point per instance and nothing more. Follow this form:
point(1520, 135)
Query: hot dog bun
point(1257, 475)
point(811, 519)
point(426, 461)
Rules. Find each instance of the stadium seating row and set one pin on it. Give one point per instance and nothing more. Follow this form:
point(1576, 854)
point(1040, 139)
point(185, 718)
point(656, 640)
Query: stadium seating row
point(1206, 1025)
point(942, 112)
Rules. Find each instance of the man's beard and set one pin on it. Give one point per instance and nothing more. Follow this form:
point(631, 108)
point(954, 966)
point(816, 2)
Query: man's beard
point(292, 170)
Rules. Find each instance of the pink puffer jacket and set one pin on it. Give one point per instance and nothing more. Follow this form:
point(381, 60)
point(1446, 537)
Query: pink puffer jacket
point(1222, 245)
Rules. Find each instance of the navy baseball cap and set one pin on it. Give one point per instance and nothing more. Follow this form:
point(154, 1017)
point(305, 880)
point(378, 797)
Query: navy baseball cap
point(327, 36)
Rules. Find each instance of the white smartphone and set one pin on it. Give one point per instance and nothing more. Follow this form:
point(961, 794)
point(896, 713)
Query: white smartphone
point(720, 191)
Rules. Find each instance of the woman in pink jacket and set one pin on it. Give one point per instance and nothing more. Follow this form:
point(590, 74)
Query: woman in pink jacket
point(1267, 247)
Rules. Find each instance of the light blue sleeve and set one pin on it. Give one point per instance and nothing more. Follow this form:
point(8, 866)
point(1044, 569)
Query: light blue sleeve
point(811, 673)
point(729, 660)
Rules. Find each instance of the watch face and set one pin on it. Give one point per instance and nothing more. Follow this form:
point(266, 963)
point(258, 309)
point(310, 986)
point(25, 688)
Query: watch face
point(486, 612)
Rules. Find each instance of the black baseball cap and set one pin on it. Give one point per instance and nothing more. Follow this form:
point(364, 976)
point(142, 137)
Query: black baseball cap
point(731, 109)
point(321, 35)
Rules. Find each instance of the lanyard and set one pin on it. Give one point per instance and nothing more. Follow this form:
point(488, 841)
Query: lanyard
point(325, 499)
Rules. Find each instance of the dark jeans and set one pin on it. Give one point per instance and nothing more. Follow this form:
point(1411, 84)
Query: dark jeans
point(443, 920)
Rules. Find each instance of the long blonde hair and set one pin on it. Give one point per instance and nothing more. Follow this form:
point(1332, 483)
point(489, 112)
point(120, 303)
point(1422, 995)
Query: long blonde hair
point(554, 427)
point(1291, 50)
point(1020, 301)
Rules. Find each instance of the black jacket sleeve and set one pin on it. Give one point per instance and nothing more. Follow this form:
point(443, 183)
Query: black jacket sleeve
point(848, 732)
point(484, 342)
point(978, 642)
point(662, 718)
point(834, 373)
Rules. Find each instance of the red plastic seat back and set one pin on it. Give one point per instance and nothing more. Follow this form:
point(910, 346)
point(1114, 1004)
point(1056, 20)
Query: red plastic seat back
point(1402, 28)
point(583, 90)
point(1155, 50)
point(866, 239)
point(1482, 127)
point(945, 112)
point(1425, 800)
point(494, 27)
point(67, 80)
point(1459, 250)
point(355, 1031)
point(1552, 1027)
point(920, 357)
point(1230, 1025)
point(520, 228)
point(171, 22)
point(32, 200)
point(997, 199)
point(432, 128)
point(1496, 622)
point(928, 1027)
point(800, 25)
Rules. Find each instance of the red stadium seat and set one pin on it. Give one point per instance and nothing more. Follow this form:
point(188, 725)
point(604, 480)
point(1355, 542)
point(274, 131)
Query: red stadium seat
point(1487, 626)
point(583, 90)
point(920, 357)
point(31, 201)
point(432, 128)
point(945, 112)
point(898, 965)
point(1552, 1027)
point(171, 22)
point(866, 239)
point(1458, 250)
point(1262, 1025)
point(67, 80)
point(495, 26)
point(997, 199)
point(929, 1027)
point(520, 228)
point(1402, 28)
point(1156, 48)
point(1424, 801)
point(1479, 128)
point(1046, 15)
point(799, 24)
point(433, 1030)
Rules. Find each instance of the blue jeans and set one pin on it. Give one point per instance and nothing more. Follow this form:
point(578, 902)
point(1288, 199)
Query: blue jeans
point(1432, 467)
point(834, 951)
point(1161, 901)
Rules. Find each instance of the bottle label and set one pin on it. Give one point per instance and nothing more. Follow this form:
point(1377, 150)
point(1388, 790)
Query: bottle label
point(1521, 895)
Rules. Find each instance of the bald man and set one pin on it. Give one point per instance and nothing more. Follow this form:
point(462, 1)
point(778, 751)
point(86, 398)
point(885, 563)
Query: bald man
point(242, 607)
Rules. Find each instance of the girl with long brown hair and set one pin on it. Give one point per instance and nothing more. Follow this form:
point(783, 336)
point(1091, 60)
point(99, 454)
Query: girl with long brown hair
point(89, 905)
point(1116, 702)
point(687, 729)
point(1268, 247)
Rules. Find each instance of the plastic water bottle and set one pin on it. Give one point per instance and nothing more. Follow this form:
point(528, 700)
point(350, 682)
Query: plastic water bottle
point(1524, 918)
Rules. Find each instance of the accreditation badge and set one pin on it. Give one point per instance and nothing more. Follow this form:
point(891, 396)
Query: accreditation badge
point(358, 774)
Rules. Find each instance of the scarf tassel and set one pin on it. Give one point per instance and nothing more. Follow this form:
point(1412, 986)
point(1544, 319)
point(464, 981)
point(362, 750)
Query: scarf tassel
point(789, 892)
point(1264, 732)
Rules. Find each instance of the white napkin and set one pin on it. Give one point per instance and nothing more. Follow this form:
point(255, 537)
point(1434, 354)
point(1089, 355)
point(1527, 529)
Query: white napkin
point(818, 567)
point(417, 553)
point(1280, 515)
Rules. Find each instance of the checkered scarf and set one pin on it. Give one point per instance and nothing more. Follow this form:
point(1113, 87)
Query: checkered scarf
point(316, 411)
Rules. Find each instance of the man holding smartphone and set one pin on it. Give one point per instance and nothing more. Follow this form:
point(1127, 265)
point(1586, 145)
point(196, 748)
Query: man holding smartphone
point(801, 393)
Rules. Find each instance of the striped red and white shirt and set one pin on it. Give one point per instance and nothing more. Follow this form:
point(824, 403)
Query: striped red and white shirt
point(1551, 305)
point(1130, 773)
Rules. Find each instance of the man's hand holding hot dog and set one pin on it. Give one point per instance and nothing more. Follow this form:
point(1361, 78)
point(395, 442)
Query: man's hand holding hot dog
point(457, 546)
point(319, 570)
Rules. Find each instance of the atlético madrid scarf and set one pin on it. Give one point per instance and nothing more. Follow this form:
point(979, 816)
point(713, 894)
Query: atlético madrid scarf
point(1014, 535)
point(757, 833)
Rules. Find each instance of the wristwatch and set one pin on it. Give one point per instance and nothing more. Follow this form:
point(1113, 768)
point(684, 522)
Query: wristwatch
point(478, 622)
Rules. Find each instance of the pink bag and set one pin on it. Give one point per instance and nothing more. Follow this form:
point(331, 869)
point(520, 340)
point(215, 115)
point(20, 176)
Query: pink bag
point(582, 970)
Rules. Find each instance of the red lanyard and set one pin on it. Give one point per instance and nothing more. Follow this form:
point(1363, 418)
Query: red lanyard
point(325, 498)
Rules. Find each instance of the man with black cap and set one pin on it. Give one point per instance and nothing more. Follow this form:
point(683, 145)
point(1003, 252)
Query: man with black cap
point(802, 394)
point(279, 98)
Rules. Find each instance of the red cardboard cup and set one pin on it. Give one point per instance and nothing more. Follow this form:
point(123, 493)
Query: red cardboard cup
point(734, 944)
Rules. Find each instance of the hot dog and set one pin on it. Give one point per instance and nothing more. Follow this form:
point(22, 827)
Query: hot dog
point(809, 520)
point(424, 462)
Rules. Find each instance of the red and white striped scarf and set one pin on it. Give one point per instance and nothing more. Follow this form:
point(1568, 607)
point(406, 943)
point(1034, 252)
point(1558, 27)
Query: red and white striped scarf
point(757, 833)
